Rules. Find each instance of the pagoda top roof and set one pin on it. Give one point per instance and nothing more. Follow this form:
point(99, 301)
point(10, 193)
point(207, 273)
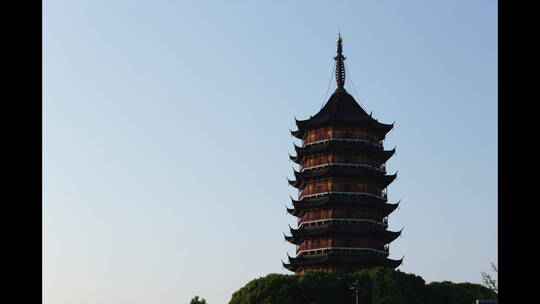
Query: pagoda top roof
point(341, 108)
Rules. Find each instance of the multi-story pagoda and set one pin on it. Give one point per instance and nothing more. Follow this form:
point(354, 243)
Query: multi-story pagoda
point(342, 207)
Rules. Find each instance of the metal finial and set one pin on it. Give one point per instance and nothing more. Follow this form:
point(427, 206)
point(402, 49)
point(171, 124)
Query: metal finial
point(340, 66)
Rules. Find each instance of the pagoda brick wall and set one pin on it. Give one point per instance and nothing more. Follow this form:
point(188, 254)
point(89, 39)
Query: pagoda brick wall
point(322, 159)
point(341, 212)
point(340, 242)
point(342, 186)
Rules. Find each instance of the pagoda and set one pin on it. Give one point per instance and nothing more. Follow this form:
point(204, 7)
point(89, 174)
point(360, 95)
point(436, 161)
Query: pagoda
point(342, 206)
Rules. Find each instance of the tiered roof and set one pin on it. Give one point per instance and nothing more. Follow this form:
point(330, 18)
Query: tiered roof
point(343, 171)
point(342, 145)
point(330, 200)
point(360, 260)
point(341, 108)
point(297, 235)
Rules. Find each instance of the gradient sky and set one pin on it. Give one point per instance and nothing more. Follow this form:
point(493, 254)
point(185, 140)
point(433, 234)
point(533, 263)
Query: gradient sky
point(166, 137)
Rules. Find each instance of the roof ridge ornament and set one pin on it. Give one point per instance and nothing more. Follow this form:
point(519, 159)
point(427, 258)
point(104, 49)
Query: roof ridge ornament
point(340, 66)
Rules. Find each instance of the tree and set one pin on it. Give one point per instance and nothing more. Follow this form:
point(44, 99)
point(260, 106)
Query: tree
point(456, 293)
point(489, 281)
point(316, 287)
point(378, 285)
point(196, 300)
point(389, 286)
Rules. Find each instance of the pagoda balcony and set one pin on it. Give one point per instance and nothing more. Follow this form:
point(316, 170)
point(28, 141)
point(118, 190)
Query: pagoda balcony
point(330, 221)
point(382, 196)
point(308, 252)
point(381, 168)
point(350, 140)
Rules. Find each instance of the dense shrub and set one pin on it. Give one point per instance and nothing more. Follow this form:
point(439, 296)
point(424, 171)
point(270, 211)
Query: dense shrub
point(377, 286)
point(456, 293)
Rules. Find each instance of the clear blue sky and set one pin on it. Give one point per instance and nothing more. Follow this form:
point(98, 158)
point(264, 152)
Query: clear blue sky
point(166, 137)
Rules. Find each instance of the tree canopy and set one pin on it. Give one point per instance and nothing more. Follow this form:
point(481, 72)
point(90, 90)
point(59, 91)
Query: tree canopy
point(197, 300)
point(377, 286)
point(457, 293)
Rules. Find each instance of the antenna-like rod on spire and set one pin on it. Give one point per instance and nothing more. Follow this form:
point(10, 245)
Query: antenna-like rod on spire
point(340, 66)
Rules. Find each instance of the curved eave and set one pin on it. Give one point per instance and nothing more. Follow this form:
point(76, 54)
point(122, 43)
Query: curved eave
point(287, 266)
point(310, 124)
point(295, 212)
point(298, 210)
point(388, 179)
point(335, 145)
point(298, 134)
point(385, 127)
point(386, 154)
point(295, 159)
point(298, 235)
point(365, 260)
point(318, 202)
point(344, 172)
point(293, 183)
point(392, 236)
point(389, 208)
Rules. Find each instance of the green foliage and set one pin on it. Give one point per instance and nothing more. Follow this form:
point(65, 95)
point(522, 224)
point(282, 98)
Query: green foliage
point(457, 293)
point(196, 300)
point(313, 287)
point(377, 286)
point(489, 281)
point(393, 286)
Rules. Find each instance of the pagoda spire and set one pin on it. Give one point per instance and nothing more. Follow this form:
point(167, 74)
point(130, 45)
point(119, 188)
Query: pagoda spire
point(340, 66)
